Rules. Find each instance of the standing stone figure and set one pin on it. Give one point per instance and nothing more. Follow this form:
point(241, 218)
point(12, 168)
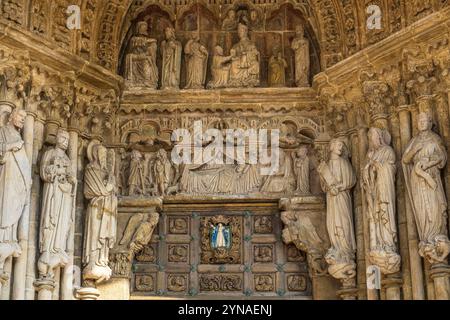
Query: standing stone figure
point(245, 65)
point(300, 45)
point(140, 66)
point(337, 179)
point(277, 69)
point(136, 180)
point(220, 69)
point(378, 182)
point(57, 207)
point(196, 62)
point(162, 170)
point(15, 184)
point(171, 65)
point(101, 224)
point(301, 169)
point(423, 159)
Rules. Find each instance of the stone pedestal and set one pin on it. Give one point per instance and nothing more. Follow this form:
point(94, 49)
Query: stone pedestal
point(44, 288)
point(348, 293)
point(88, 293)
point(440, 276)
point(392, 285)
point(115, 289)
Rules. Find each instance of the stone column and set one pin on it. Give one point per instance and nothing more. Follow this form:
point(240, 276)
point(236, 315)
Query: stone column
point(439, 273)
point(45, 288)
point(391, 284)
point(67, 279)
point(417, 280)
point(34, 210)
point(20, 266)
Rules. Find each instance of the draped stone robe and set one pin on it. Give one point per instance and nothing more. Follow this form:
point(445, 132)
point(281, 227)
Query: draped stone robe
point(379, 186)
point(339, 211)
point(140, 65)
point(57, 209)
point(101, 227)
point(196, 63)
point(425, 187)
point(171, 65)
point(15, 184)
point(300, 46)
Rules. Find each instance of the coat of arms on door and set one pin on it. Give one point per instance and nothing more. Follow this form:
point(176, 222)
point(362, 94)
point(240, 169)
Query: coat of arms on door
point(221, 239)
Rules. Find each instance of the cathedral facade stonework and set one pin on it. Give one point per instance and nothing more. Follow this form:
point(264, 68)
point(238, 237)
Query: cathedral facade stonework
point(94, 115)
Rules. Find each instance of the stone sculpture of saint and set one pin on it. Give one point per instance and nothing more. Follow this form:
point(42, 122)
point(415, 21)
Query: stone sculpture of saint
point(171, 64)
point(101, 214)
point(196, 56)
point(300, 45)
point(136, 180)
point(162, 171)
point(15, 184)
point(378, 181)
point(424, 158)
point(58, 200)
point(301, 169)
point(230, 22)
point(141, 70)
point(245, 65)
point(337, 180)
point(220, 69)
point(277, 69)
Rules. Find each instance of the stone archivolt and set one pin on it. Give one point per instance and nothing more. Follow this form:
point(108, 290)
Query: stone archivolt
point(69, 80)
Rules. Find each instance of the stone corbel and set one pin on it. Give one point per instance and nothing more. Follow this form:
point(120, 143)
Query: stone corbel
point(305, 228)
point(137, 222)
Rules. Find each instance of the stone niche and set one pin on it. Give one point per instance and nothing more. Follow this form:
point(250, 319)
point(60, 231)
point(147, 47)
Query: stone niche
point(269, 28)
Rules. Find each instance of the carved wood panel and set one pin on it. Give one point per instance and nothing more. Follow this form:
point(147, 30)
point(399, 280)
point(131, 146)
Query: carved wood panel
point(248, 260)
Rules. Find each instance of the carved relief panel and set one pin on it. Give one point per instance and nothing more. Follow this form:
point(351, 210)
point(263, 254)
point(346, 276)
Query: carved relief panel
point(213, 248)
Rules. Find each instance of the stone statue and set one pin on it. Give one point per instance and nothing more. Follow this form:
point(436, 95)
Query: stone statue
point(423, 159)
point(277, 69)
point(220, 69)
point(139, 231)
point(337, 179)
point(378, 182)
point(171, 65)
point(136, 180)
point(58, 201)
point(245, 65)
point(230, 22)
point(101, 223)
point(15, 184)
point(301, 169)
point(300, 45)
point(162, 172)
point(196, 56)
point(141, 70)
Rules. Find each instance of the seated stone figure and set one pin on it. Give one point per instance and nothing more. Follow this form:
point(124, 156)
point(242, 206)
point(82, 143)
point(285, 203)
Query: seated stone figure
point(245, 65)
